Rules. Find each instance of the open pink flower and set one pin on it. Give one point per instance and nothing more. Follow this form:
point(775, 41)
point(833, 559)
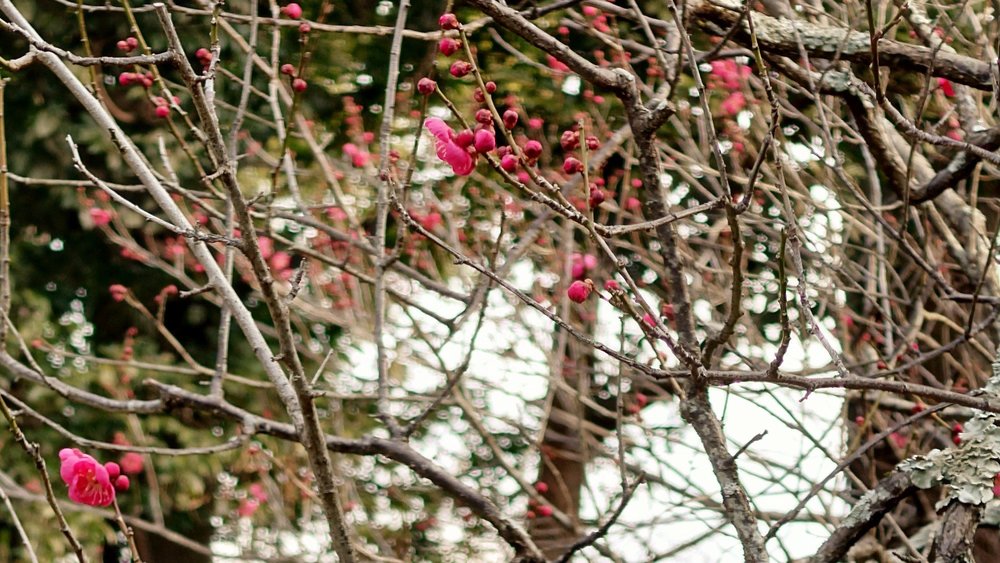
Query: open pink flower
point(88, 481)
point(448, 150)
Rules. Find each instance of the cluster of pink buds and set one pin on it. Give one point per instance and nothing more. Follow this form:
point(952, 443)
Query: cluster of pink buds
point(298, 84)
point(128, 78)
point(128, 44)
point(163, 106)
point(204, 56)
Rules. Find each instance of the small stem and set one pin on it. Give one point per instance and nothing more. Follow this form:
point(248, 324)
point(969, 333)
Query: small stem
point(127, 530)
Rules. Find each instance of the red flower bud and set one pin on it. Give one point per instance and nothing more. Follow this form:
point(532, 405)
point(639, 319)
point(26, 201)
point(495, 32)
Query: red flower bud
point(508, 162)
point(572, 166)
point(299, 85)
point(579, 291)
point(532, 149)
point(293, 11)
point(162, 111)
point(448, 46)
point(491, 87)
point(426, 86)
point(288, 69)
point(122, 483)
point(569, 140)
point(485, 141)
point(464, 138)
point(596, 197)
point(592, 143)
point(460, 68)
point(484, 116)
point(448, 21)
point(509, 119)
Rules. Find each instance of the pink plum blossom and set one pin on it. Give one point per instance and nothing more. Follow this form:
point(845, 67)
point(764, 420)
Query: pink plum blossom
point(461, 162)
point(88, 481)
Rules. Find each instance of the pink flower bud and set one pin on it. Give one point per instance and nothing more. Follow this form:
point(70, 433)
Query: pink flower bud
point(460, 68)
point(611, 285)
point(122, 46)
point(126, 78)
point(572, 165)
point(579, 291)
point(596, 197)
point(293, 11)
point(542, 487)
point(122, 483)
point(484, 116)
point(448, 21)
point(491, 87)
point(448, 46)
point(113, 469)
point(299, 85)
point(426, 86)
point(485, 141)
point(288, 69)
point(162, 111)
point(532, 149)
point(592, 143)
point(464, 138)
point(569, 140)
point(545, 511)
point(508, 162)
point(118, 292)
point(304, 28)
point(132, 42)
point(509, 119)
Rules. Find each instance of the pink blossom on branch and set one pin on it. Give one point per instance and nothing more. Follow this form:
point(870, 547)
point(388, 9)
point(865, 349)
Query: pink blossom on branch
point(448, 150)
point(89, 482)
point(733, 104)
point(728, 73)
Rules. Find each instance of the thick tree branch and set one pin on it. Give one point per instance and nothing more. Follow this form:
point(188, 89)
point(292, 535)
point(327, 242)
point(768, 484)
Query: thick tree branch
point(778, 36)
point(865, 514)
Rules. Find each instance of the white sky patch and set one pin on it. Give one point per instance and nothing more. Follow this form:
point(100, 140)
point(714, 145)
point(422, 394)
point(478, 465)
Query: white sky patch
point(571, 85)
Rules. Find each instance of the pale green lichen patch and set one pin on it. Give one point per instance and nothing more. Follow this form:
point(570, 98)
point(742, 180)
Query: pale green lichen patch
point(967, 472)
